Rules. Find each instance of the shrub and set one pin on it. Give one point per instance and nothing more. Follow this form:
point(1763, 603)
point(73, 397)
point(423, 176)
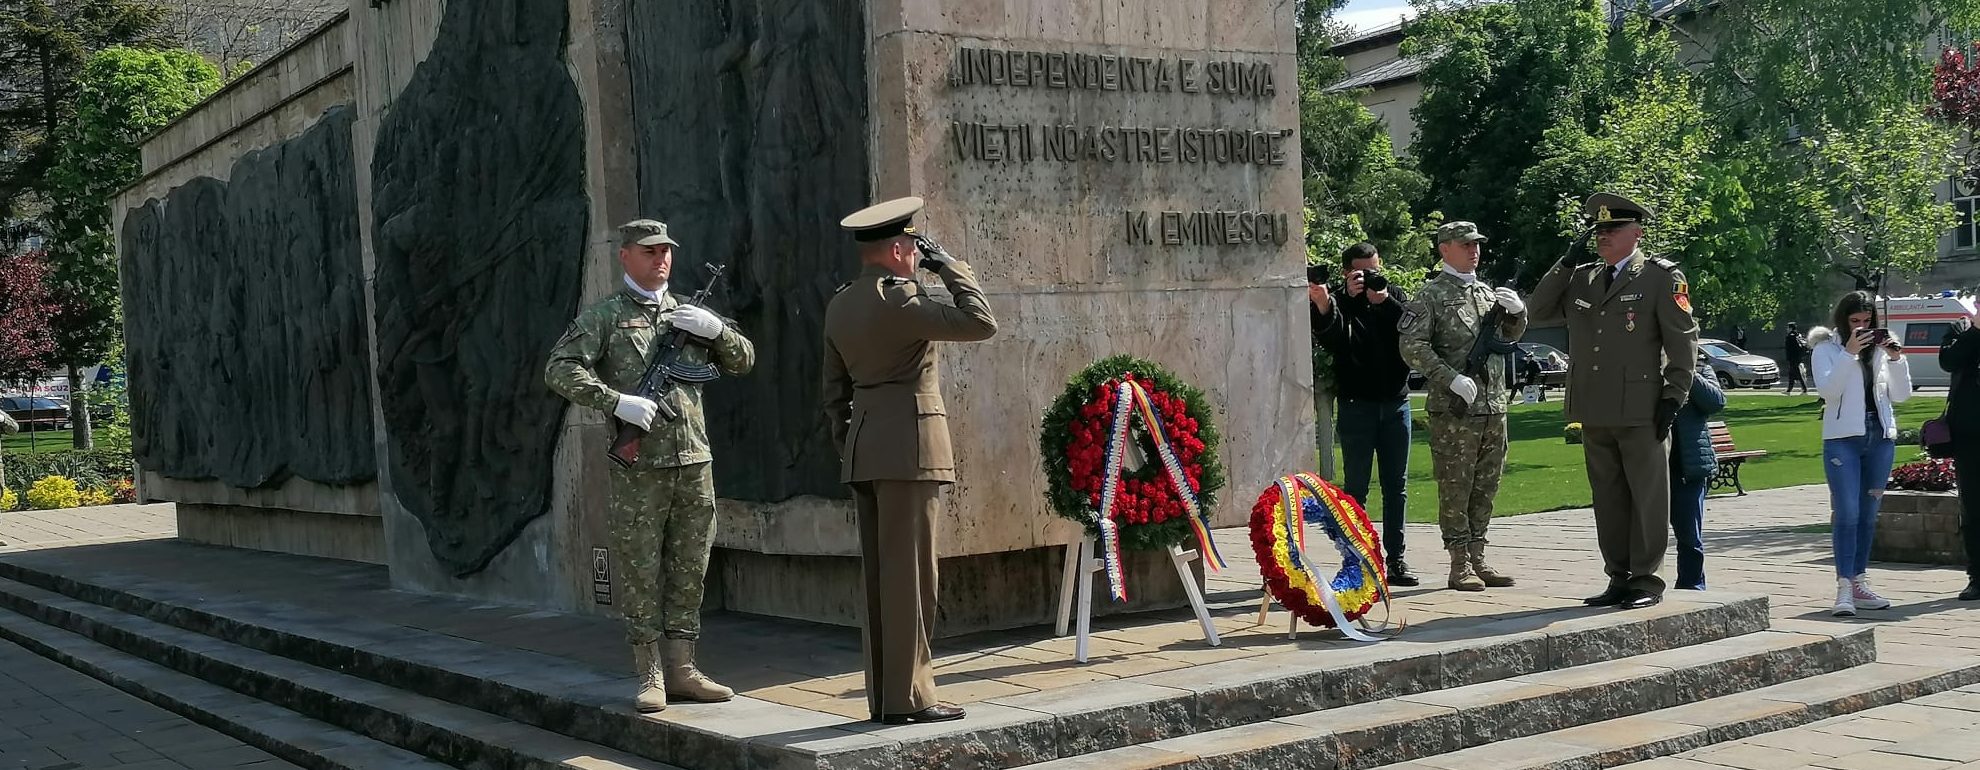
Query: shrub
point(1573, 433)
point(53, 492)
point(1907, 437)
point(8, 500)
point(1925, 476)
point(124, 491)
point(94, 496)
point(89, 468)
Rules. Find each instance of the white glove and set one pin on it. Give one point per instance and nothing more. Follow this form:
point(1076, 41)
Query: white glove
point(636, 410)
point(1465, 389)
point(1509, 300)
point(696, 321)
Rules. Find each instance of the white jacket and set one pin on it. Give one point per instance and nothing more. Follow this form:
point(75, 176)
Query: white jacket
point(1839, 378)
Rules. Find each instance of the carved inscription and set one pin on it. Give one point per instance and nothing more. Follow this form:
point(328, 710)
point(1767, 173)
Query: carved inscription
point(1211, 148)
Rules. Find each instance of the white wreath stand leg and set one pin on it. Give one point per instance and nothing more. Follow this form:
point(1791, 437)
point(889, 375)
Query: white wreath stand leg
point(1077, 583)
point(1333, 605)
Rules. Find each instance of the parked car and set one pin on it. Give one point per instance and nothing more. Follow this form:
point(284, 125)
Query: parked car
point(36, 412)
point(1737, 368)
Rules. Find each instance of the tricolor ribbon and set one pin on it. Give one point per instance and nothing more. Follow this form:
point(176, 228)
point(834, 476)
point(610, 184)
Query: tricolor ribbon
point(1130, 399)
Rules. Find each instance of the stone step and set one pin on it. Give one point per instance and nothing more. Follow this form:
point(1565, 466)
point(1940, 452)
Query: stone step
point(1719, 720)
point(292, 737)
point(589, 704)
point(1427, 724)
point(452, 734)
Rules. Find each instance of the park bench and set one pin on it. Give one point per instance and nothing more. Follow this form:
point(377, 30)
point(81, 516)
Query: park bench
point(1729, 456)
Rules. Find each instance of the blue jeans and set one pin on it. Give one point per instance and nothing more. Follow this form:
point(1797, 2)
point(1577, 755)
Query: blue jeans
point(1857, 469)
point(1688, 524)
point(1370, 432)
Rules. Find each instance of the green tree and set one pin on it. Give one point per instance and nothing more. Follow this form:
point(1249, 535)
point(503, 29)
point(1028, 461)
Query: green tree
point(1820, 105)
point(1497, 78)
point(43, 44)
point(123, 95)
point(1355, 187)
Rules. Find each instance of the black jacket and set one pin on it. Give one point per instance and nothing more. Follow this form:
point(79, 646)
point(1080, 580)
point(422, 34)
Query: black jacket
point(1368, 364)
point(1960, 355)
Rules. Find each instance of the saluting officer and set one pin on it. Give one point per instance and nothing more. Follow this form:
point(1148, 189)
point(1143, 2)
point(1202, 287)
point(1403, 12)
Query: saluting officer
point(1633, 346)
point(883, 400)
point(1467, 415)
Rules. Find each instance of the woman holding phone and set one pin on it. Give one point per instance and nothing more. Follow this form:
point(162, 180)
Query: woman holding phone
point(1860, 372)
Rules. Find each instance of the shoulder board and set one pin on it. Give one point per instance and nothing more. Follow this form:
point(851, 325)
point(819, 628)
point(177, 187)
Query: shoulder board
point(895, 280)
point(1588, 265)
point(1664, 263)
point(842, 287)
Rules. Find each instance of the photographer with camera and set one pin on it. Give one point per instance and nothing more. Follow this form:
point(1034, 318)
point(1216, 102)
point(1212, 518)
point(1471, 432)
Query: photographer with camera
point(1860, 372)
point(1356, 323)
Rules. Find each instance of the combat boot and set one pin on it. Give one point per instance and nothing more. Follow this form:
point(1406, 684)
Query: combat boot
point(1462, 576)
point(652, 687)
point(1491, 577)
point(684, 681)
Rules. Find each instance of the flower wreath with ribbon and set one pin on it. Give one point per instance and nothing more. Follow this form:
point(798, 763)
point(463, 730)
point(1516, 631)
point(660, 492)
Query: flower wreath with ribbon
point(1130, 452)
point(1278, 537)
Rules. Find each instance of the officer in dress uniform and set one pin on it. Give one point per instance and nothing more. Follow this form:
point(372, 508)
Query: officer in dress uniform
point(1633, 345)
point(883, 401)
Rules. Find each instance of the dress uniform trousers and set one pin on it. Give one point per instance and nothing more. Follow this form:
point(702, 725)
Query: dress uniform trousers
point(1629, 471)
point(897, 536)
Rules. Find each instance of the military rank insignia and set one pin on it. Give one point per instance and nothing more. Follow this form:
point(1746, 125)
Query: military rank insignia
point(1682, 293)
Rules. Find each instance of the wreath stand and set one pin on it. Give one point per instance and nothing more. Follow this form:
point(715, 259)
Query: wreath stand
point(1078, 578)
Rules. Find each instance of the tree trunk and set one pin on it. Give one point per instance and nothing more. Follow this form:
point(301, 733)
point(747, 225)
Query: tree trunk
point(78, 411)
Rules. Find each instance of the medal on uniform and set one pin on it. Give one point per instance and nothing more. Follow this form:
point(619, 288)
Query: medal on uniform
point(1630, 318)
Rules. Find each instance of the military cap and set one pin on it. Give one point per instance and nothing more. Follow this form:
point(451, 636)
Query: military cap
point(1460, 231)
point(1609, 208)
point(644, 232)
point(881, 221)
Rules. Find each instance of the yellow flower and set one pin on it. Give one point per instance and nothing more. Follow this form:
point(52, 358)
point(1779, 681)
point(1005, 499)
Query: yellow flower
point(53, 492)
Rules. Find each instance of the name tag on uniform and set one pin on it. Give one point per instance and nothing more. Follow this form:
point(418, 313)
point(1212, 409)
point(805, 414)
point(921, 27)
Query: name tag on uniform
point(1583, 304)
point(1630, 297)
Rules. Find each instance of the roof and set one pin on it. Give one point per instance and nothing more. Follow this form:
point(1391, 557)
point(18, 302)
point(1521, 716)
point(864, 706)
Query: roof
point(1374, 38)
point(1387, 72)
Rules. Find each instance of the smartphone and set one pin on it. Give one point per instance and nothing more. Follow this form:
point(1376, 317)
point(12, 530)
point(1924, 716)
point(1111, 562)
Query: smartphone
point(1318, 275)
point(1880, 335)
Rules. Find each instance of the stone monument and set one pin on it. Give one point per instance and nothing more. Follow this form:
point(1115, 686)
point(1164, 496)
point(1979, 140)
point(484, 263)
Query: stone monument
point(1124, 177)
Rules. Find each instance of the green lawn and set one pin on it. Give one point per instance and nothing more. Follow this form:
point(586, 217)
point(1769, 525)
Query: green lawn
point(1545, 473)
point(39, 441)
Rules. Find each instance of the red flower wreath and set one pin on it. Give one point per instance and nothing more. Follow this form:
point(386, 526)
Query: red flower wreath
point(1150, 513)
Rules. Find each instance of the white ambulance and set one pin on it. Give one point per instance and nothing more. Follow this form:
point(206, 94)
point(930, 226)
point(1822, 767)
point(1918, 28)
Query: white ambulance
point(1921, 323)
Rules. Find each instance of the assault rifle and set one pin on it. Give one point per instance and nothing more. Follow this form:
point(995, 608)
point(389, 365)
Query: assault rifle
point(1484, 347)
point(663, 373)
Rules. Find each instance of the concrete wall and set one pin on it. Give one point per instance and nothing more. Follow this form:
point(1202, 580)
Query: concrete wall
point(276, 101)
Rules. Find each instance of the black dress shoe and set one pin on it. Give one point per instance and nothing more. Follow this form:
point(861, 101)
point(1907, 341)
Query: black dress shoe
point(1972, 590)
point(1609, 598)
point(940, 712)
point(1638, 599)
point(1399, 575)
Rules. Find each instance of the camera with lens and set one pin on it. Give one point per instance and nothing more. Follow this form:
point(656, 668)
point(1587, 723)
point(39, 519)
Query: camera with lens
point(1372, 280)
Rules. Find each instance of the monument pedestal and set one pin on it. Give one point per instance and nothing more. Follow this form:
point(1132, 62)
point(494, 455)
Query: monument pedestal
point(980, 592)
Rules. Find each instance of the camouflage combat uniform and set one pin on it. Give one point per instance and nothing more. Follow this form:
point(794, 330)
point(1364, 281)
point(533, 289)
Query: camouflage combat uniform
point(1468, 449)
point(662, 512)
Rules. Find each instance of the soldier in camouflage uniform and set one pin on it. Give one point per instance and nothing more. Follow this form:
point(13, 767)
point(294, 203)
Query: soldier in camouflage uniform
point(1467, 416)
point(662, 513)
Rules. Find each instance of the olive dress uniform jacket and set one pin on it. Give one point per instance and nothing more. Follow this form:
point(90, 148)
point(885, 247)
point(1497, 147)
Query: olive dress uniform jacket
point(1633, 344)
point(883, 380)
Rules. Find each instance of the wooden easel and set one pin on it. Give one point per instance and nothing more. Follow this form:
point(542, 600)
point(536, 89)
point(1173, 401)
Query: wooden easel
point(1082, 563)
